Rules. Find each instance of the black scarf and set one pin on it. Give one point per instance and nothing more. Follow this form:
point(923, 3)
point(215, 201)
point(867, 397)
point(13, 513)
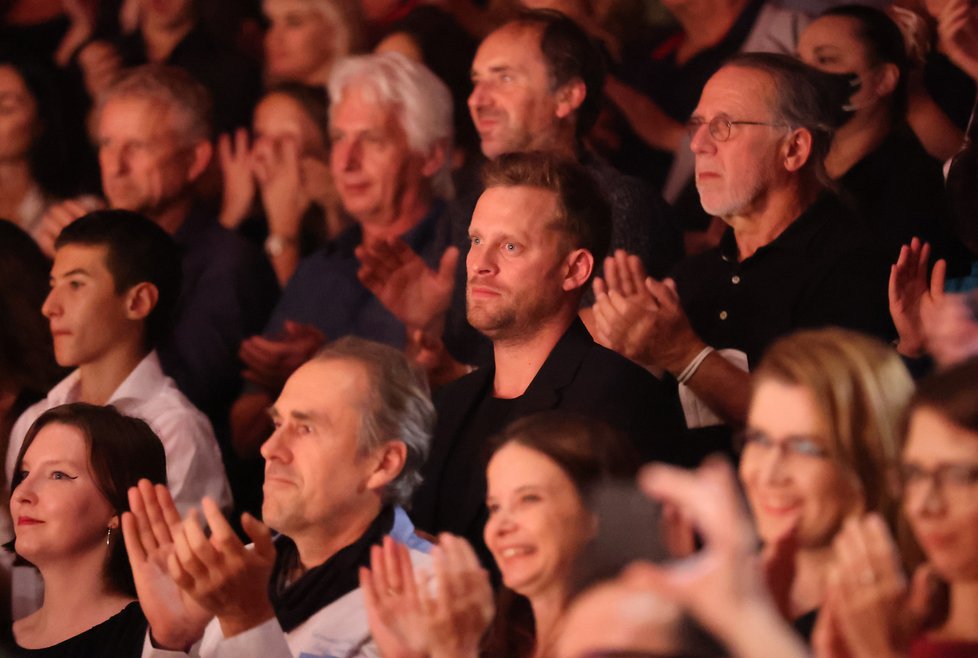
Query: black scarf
point(294, 603)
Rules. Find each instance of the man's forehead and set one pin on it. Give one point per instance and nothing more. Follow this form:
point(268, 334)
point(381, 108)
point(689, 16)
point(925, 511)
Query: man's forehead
point(515, 208)
point(91, 258)
point(150, 116)
point(513, 44)
point(322, 385)
point(739, 92)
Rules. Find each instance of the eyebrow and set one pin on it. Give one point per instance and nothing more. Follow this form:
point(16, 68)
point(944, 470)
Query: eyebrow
point(75, 272)
point(24, 465)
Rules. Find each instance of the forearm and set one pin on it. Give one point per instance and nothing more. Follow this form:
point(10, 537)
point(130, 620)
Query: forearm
point(648, 120)
point(940, 137)
point(758, 631)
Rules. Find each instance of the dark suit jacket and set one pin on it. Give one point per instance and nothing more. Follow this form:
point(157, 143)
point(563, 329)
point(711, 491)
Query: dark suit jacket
point(580, 376)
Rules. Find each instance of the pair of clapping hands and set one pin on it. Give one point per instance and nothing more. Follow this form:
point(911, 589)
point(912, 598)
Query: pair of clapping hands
point(184, 577)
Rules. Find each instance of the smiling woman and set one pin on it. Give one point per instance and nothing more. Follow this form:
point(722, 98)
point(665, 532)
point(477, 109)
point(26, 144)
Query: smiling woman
point(820, 445)
point(70, 486)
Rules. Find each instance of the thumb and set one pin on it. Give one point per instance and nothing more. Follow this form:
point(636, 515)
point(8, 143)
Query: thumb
point(260, 535)
point(449, 261)
point(924, 600)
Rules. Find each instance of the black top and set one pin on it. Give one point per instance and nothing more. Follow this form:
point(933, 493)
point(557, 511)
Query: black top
point(822, 270)
point(578, 375)
point(119, 636)
point(898, 189)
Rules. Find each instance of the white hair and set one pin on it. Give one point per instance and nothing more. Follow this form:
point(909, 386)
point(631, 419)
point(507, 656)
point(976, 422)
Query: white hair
point(421, 100)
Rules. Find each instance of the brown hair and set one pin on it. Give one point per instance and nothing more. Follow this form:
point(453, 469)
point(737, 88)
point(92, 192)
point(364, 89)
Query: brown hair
point(952, 393)
point(121, 451)
point(583, 213)
point(588, 451)
point(860, 387)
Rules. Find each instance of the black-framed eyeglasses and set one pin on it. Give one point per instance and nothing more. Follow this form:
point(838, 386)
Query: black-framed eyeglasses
point(720, 126)
point(955, 479)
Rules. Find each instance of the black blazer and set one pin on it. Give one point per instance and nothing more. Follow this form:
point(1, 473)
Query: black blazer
point(580, 376)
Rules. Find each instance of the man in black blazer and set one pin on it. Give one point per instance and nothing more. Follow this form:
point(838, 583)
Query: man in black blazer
point(535, 236)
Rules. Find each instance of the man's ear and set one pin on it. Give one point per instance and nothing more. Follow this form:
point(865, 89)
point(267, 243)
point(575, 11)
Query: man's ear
point(141, 300)
point(570, 96)
point(580, 264)
point(434, 160)
point(389, 462)
point(797, 149)
point(200, 156)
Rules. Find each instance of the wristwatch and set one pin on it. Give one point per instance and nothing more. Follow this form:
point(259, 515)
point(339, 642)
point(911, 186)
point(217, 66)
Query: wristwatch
point(275, 245)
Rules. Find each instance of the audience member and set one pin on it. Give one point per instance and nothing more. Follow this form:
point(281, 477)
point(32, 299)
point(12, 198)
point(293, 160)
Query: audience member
point(285, 169)
point(539, 471)
point(390, 129)
point(791, 257)
point(534, 234)
point(873, 609)
point(72, 473)
point(27, 366)
point(173, 34)
point(306, 37)
point(114, 287)
point(34, 145)
point(536, 86)
point(153, 138)
point(876, 160)
point(352, 429)
point(821, 441)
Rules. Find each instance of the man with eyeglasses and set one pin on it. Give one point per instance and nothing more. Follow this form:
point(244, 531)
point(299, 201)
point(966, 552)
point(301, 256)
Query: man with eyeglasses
point(791, 257)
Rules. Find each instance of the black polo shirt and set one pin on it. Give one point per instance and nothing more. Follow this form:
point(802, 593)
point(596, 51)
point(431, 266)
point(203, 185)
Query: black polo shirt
point(822, 270)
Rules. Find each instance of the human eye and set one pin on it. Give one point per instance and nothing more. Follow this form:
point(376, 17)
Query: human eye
point(806, 447)
point(912, 474)
point(756, 438)
point(530, 498)
point(493, 507)
point(19, 477)
point(694, 124)
point(475, 240)
point(75, 284)
point(293, 20)
point(961, 475)
point(511, 248)
point(61, 475)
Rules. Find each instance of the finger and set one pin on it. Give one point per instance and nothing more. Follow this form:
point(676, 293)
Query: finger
point(625, 278)
point(370, 597)
point(937, 280)
point(159, 526)
point(165, 501)
point(448, 265)
point(611, 275)
point(224, 151)
point(223, 538)
point(599, 286)
point(206, 556)
point(405, 569)
point(392, 571)
point(131, 536)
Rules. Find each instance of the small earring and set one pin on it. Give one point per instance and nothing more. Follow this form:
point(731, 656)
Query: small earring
point(108, 536)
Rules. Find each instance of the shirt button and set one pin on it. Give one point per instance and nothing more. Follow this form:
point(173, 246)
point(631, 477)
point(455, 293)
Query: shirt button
point(735, 279)
point(723, 315)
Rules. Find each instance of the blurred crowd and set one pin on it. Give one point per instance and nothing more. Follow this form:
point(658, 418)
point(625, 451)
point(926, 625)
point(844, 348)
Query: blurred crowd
point(489, 328)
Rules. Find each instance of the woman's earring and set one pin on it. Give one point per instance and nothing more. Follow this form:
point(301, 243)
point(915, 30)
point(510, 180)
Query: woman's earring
point(108, 535)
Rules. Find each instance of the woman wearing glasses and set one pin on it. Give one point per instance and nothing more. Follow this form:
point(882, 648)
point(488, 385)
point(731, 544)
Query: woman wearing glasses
point(821, 439)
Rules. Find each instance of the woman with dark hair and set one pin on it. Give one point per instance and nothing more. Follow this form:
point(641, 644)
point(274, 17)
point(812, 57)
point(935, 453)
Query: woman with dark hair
point(878, 163)
point(34, 146)
point(71, 482)
point(27, 366)
point(280, 190)
point(540, 470)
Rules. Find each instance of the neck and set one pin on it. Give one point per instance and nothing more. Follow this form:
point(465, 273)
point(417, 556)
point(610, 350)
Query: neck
point(412, 210)
point(771, 216)
point(318, 544)
point(518, 359)
point(319, 77)
point(101, 378)
point(808, 587)
point(76, 596)
point(859, 137)
point(548, 608)
point(15, 182)
point(706, 23)
point(171, 217)
point(161, 40)
point(962, 620)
